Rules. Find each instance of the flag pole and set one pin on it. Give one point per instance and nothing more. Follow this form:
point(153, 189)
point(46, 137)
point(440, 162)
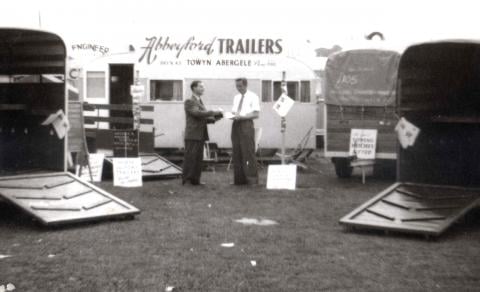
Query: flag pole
point(283, 121)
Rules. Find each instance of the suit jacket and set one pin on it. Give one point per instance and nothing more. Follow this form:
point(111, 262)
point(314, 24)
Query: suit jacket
point(197, 118)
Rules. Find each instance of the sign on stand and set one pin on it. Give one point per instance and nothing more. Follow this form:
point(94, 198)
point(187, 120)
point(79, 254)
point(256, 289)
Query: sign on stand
point(127, 172)
point(96, 166)
point(282, 177)
point(363, 143)
point(283, 105)
point(137, 92)
point(125, 143)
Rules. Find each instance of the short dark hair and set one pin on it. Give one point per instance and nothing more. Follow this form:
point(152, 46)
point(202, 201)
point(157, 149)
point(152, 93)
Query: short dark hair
point(194, 84)
point(243, 80)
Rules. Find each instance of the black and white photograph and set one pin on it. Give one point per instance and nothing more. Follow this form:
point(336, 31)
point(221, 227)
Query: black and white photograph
point(182, 145)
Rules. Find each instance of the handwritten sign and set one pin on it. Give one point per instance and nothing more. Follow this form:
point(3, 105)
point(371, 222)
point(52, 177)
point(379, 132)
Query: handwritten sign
point(96, 166)
point(363, 143)
point(137, 92)
point(125, 143)
point(127, 172)
point(283, 105)
point(282, 177)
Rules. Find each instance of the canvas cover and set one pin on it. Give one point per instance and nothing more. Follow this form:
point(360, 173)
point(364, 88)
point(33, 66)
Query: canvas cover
point(362, 78)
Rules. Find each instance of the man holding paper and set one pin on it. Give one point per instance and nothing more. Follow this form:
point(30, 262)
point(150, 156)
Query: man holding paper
point(246, 108)
point(196, 133)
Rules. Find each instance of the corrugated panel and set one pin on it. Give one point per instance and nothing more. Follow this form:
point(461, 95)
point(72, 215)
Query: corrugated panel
point(414, 208)
point(31, 52)
point(440, 76)
point(58, 198)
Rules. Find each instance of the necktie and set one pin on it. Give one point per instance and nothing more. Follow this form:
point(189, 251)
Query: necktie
point(240, 104)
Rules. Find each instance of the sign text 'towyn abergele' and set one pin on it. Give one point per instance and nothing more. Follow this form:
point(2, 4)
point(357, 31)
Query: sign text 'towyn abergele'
point(221, 46)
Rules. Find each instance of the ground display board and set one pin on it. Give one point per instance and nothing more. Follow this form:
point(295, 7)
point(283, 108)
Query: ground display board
point(58, 198)
point(153, 165)
point(414, 208)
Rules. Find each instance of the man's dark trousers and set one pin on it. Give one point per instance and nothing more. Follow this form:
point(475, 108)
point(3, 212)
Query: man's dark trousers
point(243, 148)
point(192, 162)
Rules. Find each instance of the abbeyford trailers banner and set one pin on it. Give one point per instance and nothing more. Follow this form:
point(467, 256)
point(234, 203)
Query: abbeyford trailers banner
point(214, 51)
point(256, 53)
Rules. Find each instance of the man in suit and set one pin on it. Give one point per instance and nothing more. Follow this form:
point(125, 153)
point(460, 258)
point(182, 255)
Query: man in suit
point(196, 133)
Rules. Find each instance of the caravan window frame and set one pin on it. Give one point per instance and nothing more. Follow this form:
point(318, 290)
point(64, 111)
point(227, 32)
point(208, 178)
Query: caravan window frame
point(105, 89)
point(298, 91)
point(173, 100)
point(270, 92)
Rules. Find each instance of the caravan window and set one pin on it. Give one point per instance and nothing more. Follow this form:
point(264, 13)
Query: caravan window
point(266, 90)
point(305, 91)
point(96, 84)
point(292, 89)
point(298, 91)
point(166, 90)
point(32, 78)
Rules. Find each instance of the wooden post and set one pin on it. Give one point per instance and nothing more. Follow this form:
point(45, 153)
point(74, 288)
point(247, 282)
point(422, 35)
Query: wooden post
point(136, 109)
point(283, 121)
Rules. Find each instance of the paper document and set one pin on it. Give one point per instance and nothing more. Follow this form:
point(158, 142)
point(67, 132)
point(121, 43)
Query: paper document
point(96, 167)
point(229, 115)
point(127, 172)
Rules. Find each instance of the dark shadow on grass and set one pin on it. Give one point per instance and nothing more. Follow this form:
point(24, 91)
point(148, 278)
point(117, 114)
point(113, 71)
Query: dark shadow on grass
point(468, 224)
point(14, 218)
point(87, 224)
point(377, 233)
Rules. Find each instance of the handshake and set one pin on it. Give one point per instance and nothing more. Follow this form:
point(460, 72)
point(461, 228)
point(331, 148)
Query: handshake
point(216, 116)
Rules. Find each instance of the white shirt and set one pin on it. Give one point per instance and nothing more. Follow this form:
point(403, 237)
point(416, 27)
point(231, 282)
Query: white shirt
point(251, 103)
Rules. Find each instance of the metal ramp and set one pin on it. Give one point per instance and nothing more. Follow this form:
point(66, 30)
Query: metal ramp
point(154, 165)
point(414, 208)
point(58, 198)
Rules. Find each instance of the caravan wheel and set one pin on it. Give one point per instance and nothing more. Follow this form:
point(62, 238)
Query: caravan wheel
point(342, 167)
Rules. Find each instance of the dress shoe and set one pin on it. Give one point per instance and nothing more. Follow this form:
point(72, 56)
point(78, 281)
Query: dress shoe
point(199, 183)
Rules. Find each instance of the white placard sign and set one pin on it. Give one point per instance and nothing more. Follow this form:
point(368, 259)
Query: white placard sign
point(283, 105)
point(137, 92)
point(407, 133)
point(96, 166)
point(282, 177)
point(127, 172)
point(363, 143)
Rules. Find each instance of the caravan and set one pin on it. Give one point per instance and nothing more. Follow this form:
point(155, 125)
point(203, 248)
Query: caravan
point(166, 66)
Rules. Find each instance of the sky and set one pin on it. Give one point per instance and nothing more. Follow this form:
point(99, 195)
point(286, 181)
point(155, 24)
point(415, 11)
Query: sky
point(323, 22)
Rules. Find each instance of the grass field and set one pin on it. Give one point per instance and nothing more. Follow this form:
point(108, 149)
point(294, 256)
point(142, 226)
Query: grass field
point(176, 239)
